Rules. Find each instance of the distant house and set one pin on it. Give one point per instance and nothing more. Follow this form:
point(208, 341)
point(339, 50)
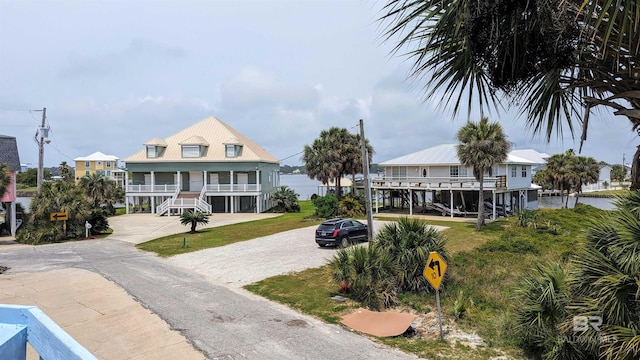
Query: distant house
point(97, 163)
point(604, 178)
point(9, 155)
point(208, 166)
point(434, 179)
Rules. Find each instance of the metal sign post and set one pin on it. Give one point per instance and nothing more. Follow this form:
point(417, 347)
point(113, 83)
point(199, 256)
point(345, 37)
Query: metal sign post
point(434, 272)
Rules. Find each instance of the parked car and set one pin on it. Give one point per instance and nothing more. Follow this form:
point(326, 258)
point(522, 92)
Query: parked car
point(341, 232)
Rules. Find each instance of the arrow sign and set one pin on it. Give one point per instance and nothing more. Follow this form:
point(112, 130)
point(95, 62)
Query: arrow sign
point(435, 269)
point(59, 216)
point(433, 264)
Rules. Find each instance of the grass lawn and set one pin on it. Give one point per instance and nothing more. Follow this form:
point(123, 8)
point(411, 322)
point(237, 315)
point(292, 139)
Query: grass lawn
point(483, 273)
point(229, 234)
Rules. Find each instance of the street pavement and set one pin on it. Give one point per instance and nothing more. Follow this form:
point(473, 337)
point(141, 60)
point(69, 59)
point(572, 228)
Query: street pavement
point(217, 317)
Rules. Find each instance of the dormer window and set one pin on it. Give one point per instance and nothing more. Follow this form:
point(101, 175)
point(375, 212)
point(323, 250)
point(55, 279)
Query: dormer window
point(152, 151)
point(191, 151)
point(233, 150)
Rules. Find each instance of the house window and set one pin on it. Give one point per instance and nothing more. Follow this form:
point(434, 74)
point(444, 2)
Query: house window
point(424, 172)
point(99, 163)
point(151, 151)
point(457, 171)
point(399, 171)
point(190, 151)
point(86, 173)
point(108, 172)
point(233, 150)
point(524, 171)
point(87, 164)
point(514, 171)
point(108, 164)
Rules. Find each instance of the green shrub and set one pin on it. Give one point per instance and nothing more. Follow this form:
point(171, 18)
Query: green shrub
point(366, 274)
point(408, 243)
point(350, 206)
point(326, 206)
point(98, 220)
point(393, 263)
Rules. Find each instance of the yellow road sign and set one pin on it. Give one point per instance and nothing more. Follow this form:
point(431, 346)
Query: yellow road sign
point(434, 270)
point(59, 216)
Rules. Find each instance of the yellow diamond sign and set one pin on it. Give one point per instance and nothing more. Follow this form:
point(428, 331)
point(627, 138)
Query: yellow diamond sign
point(434, 270)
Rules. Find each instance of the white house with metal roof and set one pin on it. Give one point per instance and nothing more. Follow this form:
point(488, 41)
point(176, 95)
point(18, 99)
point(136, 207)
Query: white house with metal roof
point(208, 166)
point(434, 179)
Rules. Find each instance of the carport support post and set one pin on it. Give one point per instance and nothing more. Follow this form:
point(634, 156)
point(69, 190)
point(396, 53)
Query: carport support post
point(184, 243)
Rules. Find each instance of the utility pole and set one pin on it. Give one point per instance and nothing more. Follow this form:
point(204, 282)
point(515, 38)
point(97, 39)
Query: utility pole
point(41, 149)
point(367, 188)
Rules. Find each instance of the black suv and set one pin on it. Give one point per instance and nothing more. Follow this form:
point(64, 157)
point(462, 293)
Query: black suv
point(341, 232)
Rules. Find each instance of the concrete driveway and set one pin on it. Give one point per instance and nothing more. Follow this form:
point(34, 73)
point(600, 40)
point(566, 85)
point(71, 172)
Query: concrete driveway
point(138, 228)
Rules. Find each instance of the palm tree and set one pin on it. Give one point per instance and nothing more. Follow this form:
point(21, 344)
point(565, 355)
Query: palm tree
point(57, 196)
point(333, 154)
point(5, 178)
point(554, 59)
point(98, 188)
point(65, 171)
point(558, 170)
point(286, 199)
point(585, 170)
point(482, 145)
point(408, 243)
point(193, 218)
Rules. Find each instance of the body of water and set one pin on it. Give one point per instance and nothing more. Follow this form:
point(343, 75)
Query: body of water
point(553, 202)
point(301, 184)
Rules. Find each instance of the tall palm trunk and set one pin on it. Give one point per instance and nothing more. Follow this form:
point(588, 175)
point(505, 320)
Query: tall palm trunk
point(635, 170)
point(480, 221)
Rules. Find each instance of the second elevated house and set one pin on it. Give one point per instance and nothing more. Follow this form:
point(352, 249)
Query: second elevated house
point(209, 166)
point(433, 179)
point(99, 163)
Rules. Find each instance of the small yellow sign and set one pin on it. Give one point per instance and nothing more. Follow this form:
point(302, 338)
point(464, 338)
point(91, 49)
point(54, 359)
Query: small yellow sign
point(59, 216)
point(434, 270)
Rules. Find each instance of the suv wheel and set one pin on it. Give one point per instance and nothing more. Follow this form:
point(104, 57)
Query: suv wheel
point(344, 242)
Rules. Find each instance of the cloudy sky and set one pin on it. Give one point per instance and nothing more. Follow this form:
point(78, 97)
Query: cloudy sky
point(114, 74)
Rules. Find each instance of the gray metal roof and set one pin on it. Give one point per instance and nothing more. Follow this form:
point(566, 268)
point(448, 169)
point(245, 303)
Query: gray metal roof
point(9, 152)
point(447, 154)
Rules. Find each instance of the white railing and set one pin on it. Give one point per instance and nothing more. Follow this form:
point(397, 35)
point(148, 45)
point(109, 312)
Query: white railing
point(433, 182)
point(167, 188)
point(232, 187)
point(181, 203)
point(20, 325)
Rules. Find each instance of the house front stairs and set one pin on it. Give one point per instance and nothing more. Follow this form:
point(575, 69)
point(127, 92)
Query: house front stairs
point(182, 200)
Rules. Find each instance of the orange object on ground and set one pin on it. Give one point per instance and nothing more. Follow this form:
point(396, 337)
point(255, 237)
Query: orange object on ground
point(376, 323)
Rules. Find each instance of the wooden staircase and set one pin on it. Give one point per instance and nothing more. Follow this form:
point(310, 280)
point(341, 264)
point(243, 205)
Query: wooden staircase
point(183, 200)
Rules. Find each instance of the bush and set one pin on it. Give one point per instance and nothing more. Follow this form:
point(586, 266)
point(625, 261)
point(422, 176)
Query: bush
point(98, 220)
point(366, 273)
point(350, 206)
point(326, 206)
point(393, 263)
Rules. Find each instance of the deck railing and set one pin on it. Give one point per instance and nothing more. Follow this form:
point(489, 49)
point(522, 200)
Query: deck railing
point(437, 182)
point(20, 325)
point(232, 188)
point(167, 188)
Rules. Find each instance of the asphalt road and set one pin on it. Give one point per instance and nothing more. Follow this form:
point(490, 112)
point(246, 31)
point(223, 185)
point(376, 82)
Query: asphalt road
point(225, 322)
